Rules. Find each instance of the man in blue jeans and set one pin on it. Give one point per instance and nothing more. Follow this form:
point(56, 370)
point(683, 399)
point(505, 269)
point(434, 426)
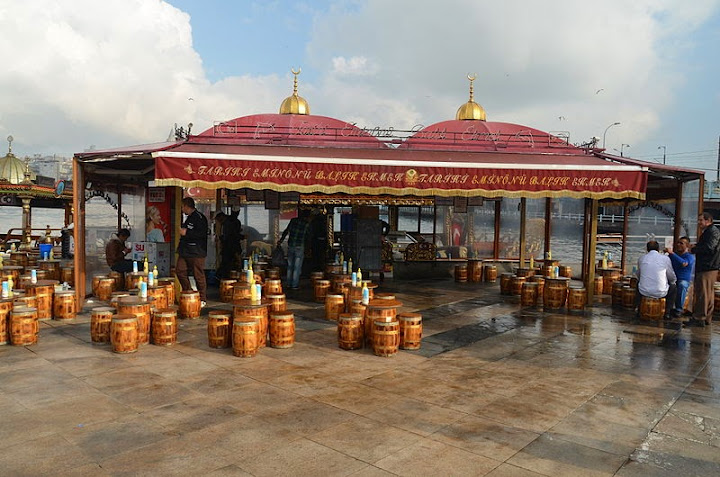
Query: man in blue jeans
point(683, 263)
point(298, 229)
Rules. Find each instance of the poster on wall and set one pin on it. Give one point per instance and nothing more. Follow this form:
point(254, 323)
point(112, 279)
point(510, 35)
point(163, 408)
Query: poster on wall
point(157, 215)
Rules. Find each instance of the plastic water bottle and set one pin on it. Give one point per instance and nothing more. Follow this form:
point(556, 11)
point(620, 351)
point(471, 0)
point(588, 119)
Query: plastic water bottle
point(5, 290)
point(258, 292)
point(344, 268)
point(135, 267)
point(359, 275)
point(151, 279)
point(354, 279)
point(33, 276)
point(143, 290)
point(245, 264)
point(365, 295)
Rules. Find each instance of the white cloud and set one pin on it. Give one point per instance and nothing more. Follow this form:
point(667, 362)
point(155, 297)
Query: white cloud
point(121, 72)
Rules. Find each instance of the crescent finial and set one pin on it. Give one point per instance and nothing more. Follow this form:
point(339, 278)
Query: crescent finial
point(292, 70)
point(472, 77)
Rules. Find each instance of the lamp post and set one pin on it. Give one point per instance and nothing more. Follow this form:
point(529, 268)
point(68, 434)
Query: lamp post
point(606, 130)
point(622, 146)
point(664, 151)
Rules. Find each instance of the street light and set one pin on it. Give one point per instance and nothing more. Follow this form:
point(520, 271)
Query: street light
point(606, 130)
point(622, 146)
point(664, 151)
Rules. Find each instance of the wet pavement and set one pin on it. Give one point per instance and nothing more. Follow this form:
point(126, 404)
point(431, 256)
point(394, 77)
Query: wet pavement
point(495, 390)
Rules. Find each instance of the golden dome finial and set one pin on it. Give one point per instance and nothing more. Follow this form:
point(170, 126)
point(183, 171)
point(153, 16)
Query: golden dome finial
point(10, 139)
point(471, 110)
point(295, 104)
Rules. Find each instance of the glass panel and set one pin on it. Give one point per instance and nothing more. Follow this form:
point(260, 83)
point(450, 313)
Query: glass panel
point(409, 219)
point(101, 212)
point(427, 217)
point(690, 209)
point(442, 215)
point(384, 214)
point(535, 228)
point(510, 228)
point(483, 229)
point(566, 238)
point(647, 221)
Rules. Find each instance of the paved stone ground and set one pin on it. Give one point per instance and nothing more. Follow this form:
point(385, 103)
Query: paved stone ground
point(495, 390)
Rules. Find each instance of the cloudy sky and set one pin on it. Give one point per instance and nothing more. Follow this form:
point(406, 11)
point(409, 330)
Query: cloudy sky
point(82, 73)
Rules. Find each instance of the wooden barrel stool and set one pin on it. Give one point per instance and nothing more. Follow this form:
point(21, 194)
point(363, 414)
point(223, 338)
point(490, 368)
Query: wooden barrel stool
point(96, 281)
point(334, 305)
point(163, 330)
point(516, 284)
point(385, 296)
point(505, 282)
point(340, 281)
point(105, 287)
point(190, 305)
point(382, 310)
point(529, 294)
point(652, 308)
point(124, 333)
point(609, 277)
point(245, 335)
point(273, 273)
point(490, 272)
point(555, 293)
point(132, 279)
point(116, 296)
point(461, 273)
point(272, 287)
point(277, 302)
point(315, 276)
point(282, 329)
point(598, 286)
point(27, 300)
point(256, 310)
point(241, 291)
point(6, 306)
point(219, 329)
point(169, 284)
point(24, 327)
point(64, 305)
point(119, 278)
point(628, 297)
point(321, 290)
point(100, 319)
point(617, 293)
point(44, 291)
point(577, 298)
point(475, 270)
point(140, 309)
point(226, 289)
point(540, 280)
point(158, 295)
point(386, 338)
point(410, 330)
point(350, 331)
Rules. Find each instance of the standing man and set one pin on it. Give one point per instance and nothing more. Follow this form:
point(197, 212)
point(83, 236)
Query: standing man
point(656, 278)
point(707, 263)
point(192, 249)
point(298, 228)
point(115, 252)
point(683, 263)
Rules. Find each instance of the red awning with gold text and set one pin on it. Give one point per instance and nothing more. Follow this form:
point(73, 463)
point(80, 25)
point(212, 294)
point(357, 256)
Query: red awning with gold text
point(395, 172)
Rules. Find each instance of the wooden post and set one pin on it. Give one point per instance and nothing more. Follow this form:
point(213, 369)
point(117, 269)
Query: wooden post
point(590, 258)
point(626, 222)
point(523, 209)
point(677, 232)
point(548, 225)
point(496, 244)
point(78, 201)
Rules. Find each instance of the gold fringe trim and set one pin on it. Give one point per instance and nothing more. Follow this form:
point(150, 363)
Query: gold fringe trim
point(400, 191)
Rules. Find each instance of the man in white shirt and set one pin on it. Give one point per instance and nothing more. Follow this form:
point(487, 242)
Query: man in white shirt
point(656, 277)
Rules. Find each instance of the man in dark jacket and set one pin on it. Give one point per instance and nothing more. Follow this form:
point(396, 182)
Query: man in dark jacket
point(707, 263)
point(192, 249)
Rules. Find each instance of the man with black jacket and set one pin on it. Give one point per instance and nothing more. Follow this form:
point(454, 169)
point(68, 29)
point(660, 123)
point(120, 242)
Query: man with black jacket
point(707, 263)
point(192, 249)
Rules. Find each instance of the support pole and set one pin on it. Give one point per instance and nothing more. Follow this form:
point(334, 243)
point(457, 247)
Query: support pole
point(523, 228)
point(78, 201)
point(590, 259)
point(677, 232)
point(548, 225)
point(496, 241)
point(626, 224)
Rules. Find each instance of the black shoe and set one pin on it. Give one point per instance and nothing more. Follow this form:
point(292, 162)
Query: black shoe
point(696, 323)
point(675, 314)
point(687, 313)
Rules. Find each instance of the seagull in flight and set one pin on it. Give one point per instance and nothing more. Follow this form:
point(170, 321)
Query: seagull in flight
point(598, 91)
point(562, 118)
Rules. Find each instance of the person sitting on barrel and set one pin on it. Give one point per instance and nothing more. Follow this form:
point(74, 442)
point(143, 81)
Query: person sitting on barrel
point(656, 277)
point(684, 265)
point(115, 252)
